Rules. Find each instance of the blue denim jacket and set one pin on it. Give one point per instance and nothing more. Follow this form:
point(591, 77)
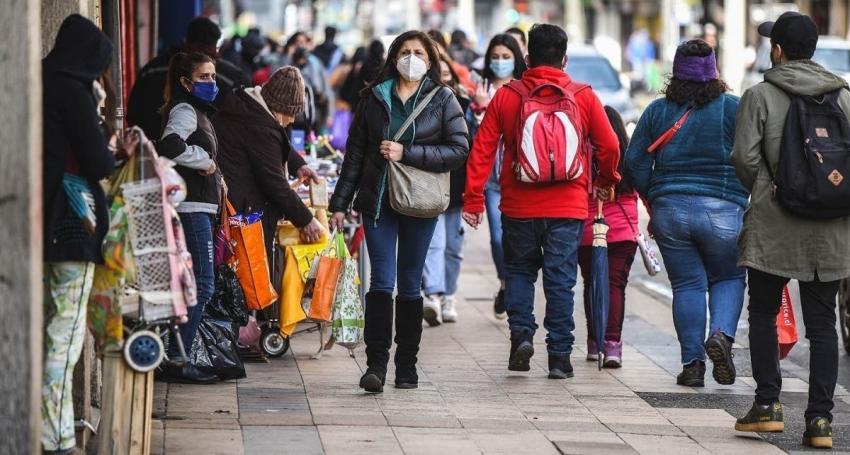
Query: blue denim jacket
point(697, 161)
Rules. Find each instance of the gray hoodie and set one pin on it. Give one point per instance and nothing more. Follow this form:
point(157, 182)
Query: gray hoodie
point(773, 240)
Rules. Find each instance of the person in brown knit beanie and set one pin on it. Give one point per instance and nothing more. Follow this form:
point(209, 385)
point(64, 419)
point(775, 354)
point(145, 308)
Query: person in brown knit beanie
point(284, 94)
point(255, 154)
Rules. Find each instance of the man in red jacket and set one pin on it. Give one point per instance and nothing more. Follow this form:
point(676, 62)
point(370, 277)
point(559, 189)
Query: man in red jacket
point(542, 223)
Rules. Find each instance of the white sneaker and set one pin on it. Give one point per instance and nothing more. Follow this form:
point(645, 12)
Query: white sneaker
point(432, 311)
point(449, 312)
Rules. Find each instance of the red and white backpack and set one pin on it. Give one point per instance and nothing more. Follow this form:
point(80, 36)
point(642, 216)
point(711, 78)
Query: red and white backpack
point(551, 141)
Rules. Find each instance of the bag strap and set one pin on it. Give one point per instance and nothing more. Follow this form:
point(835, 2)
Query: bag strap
point(668, 135)
point(629, 220)
point(410, 118)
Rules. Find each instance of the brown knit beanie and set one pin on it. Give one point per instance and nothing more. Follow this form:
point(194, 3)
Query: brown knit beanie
point(284, 91)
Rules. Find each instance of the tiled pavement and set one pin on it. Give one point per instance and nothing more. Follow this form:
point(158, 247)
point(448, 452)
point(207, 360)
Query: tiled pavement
point(468, 402)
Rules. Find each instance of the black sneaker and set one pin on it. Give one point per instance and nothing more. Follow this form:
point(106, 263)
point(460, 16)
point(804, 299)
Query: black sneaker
point(560, 367)
point(499, 308)
point(522, 349)
point(719, 349)
point(818, 433)
point(762, 419)
point(692, 375)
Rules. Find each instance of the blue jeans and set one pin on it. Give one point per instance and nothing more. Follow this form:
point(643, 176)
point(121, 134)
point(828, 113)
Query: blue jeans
point(550, 244)
point(198, 228)
point(442, 265)
point(412, 235)
point(697, 237)
point(492, 198)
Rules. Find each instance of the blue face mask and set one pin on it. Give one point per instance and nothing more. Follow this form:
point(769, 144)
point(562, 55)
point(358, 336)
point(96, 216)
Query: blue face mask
point(205, 91)
point(502, 69)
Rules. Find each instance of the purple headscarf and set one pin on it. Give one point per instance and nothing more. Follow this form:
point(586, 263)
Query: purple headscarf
point(694, 68)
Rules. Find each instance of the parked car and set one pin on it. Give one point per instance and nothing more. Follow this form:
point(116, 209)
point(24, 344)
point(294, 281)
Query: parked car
point(832, 52)
point(586, 64)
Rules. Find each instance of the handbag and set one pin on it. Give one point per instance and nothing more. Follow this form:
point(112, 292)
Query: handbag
point(250, 261)
point(786, 325)
point(81, 200)
point(647, 252)
point(415, 192)
point(668, 135)
point(222, 246)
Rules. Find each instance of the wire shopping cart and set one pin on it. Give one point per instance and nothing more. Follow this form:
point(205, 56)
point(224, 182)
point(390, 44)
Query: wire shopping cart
point(165, 286)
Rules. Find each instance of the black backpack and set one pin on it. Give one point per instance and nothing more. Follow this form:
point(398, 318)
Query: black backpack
point(813, 175)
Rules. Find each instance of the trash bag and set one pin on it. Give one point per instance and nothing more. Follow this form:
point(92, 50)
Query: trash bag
point(214, 350)
point(228, 300)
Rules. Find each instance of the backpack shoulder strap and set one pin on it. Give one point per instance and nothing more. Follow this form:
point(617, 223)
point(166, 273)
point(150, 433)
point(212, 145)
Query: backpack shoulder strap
point(576, 87)
point(518, 87)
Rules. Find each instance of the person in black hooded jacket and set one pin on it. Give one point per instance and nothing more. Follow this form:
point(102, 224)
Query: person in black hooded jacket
point(75, 154)
point(436, 142)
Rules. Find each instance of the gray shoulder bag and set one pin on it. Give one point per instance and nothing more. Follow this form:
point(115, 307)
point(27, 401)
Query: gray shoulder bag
point(415, 192)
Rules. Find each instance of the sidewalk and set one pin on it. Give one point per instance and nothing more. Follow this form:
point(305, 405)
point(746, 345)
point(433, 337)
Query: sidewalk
point(468, 402)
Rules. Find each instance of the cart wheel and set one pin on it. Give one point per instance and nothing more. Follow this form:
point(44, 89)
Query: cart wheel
point(143, 351)
point(844, 313)
point(273, 343)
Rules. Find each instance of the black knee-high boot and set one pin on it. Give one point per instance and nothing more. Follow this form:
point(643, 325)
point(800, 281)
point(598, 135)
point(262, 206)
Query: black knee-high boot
point(408, 334)
point(377, 334)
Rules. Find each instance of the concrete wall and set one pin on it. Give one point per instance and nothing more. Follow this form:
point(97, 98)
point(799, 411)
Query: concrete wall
point(21, 239)
point(53, 12)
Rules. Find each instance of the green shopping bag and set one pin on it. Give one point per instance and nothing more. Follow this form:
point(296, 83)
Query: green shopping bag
point(348, 317)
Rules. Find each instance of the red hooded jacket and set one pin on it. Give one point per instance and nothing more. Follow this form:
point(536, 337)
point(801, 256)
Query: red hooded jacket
point(524, 200)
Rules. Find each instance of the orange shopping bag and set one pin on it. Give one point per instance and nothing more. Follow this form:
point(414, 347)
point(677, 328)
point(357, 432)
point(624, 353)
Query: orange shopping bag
point(321, 284)
point(786, 325)
point(249, 260)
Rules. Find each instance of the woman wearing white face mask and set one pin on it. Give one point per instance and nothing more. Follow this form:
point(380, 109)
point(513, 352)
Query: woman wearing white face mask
point(436, 141)
point(503, 63)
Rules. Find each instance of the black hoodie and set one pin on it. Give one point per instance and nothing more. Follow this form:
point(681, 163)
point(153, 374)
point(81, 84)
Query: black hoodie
point(73, 139)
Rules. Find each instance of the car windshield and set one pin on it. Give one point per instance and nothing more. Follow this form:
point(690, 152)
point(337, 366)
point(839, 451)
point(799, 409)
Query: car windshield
point(835, 60)
point(595, 71)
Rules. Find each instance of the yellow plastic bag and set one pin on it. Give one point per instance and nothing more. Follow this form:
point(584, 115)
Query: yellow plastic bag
point(295, 271)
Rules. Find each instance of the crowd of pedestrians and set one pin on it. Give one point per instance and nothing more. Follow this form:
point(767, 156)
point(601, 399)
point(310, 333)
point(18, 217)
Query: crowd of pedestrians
point(522, 144)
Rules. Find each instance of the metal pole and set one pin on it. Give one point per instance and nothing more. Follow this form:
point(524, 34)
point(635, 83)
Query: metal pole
point(734, 37)
point(117, 67)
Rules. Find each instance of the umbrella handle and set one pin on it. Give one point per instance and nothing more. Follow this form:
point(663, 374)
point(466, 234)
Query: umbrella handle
point(600, 202)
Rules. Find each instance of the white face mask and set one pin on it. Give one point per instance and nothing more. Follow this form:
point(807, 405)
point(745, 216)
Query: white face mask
point(411, 68)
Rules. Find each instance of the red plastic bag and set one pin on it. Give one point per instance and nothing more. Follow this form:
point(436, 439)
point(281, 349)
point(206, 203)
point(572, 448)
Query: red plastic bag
point(786, 325)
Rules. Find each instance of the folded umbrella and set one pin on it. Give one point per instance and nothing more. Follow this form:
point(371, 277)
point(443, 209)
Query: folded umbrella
point(599, 290)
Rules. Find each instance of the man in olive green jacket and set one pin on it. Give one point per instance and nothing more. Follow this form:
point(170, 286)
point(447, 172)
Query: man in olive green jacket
point(777, 246)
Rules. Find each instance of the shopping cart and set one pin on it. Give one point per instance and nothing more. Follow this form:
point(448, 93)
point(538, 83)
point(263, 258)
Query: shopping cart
point(164, 287)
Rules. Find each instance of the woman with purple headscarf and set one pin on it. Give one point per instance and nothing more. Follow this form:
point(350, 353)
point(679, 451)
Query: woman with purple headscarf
point(697, 206)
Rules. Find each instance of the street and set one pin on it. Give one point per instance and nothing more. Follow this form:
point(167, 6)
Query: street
point(468, 402)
